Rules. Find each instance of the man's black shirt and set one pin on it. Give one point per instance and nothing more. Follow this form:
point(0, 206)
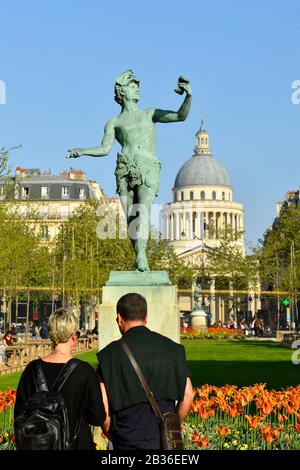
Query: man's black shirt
point(134, 425)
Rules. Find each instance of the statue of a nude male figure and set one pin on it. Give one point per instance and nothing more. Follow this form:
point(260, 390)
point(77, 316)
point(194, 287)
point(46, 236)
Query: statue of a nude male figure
point(137, 171)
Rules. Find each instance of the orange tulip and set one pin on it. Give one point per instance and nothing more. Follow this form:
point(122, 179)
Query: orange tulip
point(200, 440)
point(281, 417)
point(268, 437)
point(203, 442)
point(289, 409)
point(276, 432)
point(223, 430)
point(253, 421)
point(233, 411)
point(203, 413)
point(297, 427)
point(266, 433)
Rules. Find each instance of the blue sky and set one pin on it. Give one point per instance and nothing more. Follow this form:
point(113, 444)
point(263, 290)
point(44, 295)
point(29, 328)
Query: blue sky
point(59, 61)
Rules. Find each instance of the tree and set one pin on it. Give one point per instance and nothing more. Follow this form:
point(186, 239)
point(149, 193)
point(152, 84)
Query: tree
point(4, 154)
point(163, 257)
point(8, 183)
point(24, 260)
point(83, 262)
point(231, 269)
point(228, 262)
point(279, 257)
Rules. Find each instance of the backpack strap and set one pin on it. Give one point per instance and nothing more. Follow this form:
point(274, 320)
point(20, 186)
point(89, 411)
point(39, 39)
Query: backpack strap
point(39, 377)
point(65, 373)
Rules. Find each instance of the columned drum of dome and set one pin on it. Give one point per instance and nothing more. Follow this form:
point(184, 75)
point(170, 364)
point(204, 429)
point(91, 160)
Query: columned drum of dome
point(202, 201)
point(202, 205)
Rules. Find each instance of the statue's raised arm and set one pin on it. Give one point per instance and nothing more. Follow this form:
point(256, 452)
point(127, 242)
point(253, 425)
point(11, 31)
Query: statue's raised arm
point(166, 116)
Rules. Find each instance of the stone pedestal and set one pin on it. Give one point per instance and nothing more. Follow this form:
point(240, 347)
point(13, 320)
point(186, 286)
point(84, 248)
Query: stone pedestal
point(161, 296)
point(198, 319)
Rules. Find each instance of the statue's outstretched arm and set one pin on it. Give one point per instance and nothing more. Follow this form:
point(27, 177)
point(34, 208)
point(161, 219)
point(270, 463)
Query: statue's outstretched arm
point(102, 150)
point(166, 116)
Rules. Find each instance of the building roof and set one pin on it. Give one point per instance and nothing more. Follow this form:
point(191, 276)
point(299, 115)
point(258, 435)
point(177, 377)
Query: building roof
point(202, 170)
point(51, 179)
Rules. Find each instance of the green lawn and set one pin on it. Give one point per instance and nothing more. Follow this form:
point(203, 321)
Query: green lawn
point(241, 363)
point(224, 362)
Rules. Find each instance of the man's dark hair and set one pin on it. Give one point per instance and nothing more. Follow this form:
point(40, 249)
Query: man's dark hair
point(132, 307)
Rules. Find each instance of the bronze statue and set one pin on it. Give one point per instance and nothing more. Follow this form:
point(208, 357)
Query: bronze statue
point(137, 171)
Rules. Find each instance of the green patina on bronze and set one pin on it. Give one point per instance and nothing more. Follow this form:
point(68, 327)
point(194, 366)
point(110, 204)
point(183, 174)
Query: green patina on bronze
point(137, 171)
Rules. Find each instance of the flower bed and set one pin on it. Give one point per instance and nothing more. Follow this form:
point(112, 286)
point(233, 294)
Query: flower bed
point(249, 418)
point(212, 333)
point(7, 401)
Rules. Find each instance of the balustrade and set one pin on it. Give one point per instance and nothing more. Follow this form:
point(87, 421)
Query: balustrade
point(24, 352)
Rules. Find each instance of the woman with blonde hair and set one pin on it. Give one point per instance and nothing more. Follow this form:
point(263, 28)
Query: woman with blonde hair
point(81, 391)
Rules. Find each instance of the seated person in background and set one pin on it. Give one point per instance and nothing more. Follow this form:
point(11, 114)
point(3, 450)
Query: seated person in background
point(8, 339)
point(8, 342)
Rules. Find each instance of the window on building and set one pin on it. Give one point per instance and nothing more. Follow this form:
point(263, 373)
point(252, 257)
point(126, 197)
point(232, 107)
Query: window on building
point(182, 195)
point(44, 212)
point(64, 212)
point(214, 195)
point(25, 192)
point(45, 192)
point(65, 191)
point(45, 232)
point(202, 195)
point(175, 197)
point(81, 193)
point(206, 141)
point(191, 195)
point(202, 140)
point(223, 196)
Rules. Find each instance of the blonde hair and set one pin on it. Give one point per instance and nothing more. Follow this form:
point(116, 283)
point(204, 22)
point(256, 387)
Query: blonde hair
point(62, 324)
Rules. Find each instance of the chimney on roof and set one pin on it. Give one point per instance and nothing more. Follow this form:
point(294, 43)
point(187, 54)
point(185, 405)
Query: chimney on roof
point(20, 172)
point(73, 174)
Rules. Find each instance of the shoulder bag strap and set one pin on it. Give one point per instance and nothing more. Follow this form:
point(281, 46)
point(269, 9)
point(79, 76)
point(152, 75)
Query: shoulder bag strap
point(143, 381)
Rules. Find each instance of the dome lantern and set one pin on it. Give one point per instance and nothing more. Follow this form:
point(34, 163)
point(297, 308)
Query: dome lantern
point(202, 168)
point(202, 142)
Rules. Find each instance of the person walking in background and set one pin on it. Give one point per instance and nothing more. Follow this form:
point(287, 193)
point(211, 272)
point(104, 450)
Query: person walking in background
point(131, 423)
point(13, 329)
point(44, 331)
point(81, 392)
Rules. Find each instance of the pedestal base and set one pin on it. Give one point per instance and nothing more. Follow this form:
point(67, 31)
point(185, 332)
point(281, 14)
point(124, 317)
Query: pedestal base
point(198, 319)
point(161, 296)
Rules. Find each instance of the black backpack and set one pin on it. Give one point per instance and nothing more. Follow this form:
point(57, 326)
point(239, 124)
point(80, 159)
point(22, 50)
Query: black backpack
point(43, 423)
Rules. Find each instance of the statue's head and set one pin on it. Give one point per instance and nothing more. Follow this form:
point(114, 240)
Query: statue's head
point(124, 82)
